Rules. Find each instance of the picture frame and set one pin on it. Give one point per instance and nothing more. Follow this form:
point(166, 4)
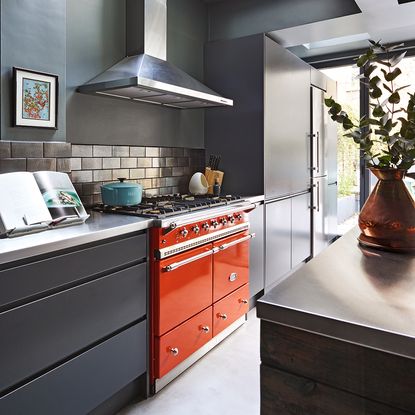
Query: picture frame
point(35, 99)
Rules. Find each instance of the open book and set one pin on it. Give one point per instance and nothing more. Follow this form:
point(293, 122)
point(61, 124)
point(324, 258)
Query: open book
point(33, 202)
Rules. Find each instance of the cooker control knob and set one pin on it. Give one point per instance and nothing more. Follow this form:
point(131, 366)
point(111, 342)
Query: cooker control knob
point(239, 216)
point(224, 221)
point(184, 232)
point(231, 219)
point(196, 229)
point(215, 223)
point(243, 301)
point(223, 316)
point(206, 226)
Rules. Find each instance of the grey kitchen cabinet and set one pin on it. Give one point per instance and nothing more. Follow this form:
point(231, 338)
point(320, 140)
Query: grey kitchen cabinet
point(82, 383)
point(278, 240)
point(87, 316)
point(288, 236)
point(256, 251)
point(301, 228)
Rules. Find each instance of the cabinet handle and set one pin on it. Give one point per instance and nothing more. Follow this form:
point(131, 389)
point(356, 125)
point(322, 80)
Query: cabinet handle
point(174, 351)
point(238, 241)
point(243, 300)
point(186, 261)
point(205, 329)
point(223, 316)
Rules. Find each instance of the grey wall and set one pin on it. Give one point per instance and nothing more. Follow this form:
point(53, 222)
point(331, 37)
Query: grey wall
point(236, 18)
point(33, 36)
point(95, 41)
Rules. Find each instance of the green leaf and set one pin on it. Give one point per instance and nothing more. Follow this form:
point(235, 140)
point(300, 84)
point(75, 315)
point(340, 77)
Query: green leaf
point(367, 72)
point(362, 60)
point(329, 101)
point(335, 109)
point(378, 111)
point(395, 98)
point(376, 93)
point(347, 123)
point(382, 62)
point(373, 82)
point(392, 75)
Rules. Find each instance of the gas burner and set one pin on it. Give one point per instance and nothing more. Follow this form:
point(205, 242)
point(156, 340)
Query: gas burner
point(169, 205)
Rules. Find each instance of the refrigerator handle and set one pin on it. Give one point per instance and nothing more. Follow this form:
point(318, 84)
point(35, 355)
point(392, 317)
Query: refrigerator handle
point(318, 196)
point(311, 146)
point(318, 151)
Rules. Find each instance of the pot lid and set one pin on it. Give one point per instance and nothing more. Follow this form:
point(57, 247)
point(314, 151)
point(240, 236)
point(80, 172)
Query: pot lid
point(122, 184)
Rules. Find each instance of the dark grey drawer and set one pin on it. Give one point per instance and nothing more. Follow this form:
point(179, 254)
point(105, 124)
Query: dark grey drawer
point(81, 384)
point(24, 281)
point(43, 332)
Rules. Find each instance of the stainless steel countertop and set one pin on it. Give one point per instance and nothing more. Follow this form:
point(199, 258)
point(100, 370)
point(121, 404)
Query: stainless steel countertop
point(98, 227)
point(363, 296)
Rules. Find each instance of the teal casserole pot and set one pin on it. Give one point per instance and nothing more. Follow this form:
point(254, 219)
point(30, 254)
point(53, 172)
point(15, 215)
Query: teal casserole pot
point(121, 193)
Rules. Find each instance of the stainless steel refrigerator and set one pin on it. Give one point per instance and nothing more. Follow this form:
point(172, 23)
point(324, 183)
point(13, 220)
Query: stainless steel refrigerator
point(323, 167)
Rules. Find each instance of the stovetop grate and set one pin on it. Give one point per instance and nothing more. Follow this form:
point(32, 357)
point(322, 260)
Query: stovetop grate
point(161, 207)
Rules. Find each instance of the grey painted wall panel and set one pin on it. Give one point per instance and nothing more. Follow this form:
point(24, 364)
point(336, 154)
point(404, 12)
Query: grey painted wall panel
point(232, 19)
point(33, 36)
point(96, 40)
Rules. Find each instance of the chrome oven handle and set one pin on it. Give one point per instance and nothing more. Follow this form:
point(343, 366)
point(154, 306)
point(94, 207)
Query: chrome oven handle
point(238, 241)
point(186, 261)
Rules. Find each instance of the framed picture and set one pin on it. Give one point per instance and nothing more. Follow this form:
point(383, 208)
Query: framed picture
point(36, 99)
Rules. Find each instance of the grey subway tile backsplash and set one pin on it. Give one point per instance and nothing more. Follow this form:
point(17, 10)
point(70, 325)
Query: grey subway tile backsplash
point(26, 149)
point(9, 165)
point(91, 163)
point(57, 150)
point(152, 151)
point(163, 170)
point(111, 163)
point(102, 151)
point(38, 164)
point(5, 150)
point(120, 151)
point(137, 151)
point(81, 150)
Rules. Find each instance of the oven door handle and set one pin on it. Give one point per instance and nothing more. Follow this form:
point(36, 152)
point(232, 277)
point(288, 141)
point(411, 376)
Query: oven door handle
point(238, 241)
point(186, 261)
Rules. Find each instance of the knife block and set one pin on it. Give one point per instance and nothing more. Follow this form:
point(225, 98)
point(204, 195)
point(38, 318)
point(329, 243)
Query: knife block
point(212, 176)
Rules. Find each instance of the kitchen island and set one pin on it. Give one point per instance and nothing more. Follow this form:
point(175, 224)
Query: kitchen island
point(338, 335)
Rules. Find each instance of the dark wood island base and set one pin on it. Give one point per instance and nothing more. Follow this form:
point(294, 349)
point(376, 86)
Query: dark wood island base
point(308, 374)
point(338, 335)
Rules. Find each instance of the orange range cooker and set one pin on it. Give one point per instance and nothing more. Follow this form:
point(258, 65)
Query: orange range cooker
point(199, 285)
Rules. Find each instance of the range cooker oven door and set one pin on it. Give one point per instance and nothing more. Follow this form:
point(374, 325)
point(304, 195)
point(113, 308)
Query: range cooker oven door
point(230, 264)
point(183, 287)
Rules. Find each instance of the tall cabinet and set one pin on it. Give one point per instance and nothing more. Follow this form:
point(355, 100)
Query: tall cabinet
point(264, 143)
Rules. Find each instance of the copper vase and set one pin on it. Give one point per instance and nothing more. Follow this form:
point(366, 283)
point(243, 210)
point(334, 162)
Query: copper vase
point(387, 219)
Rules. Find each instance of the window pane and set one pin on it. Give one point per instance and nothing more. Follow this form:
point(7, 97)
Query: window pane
point(348, 157)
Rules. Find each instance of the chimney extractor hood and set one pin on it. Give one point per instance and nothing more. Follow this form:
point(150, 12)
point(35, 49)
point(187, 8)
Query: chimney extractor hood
point(145, 75)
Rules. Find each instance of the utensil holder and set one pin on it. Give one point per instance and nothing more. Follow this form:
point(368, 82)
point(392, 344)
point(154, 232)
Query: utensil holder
point(212, 176)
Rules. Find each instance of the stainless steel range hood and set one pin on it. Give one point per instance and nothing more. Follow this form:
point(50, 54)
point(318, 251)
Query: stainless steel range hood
point(145, 75)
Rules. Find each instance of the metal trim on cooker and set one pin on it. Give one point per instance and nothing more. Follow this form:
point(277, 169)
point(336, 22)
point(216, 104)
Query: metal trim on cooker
point(179, 264)
point(238, 241)
point(183, 246)
point(202, 214)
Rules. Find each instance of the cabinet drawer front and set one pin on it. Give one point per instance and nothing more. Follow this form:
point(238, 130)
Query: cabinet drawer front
point(184, 291)
point(36, 277)
point(42, 333)
point(230, 266)
point(179, 343)
point(230, 308)
point(82, 383)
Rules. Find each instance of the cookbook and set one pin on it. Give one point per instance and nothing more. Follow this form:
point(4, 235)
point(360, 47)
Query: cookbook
point(34, 202)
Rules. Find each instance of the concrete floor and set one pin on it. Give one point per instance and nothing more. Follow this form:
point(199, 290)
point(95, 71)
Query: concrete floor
point(225, 381)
